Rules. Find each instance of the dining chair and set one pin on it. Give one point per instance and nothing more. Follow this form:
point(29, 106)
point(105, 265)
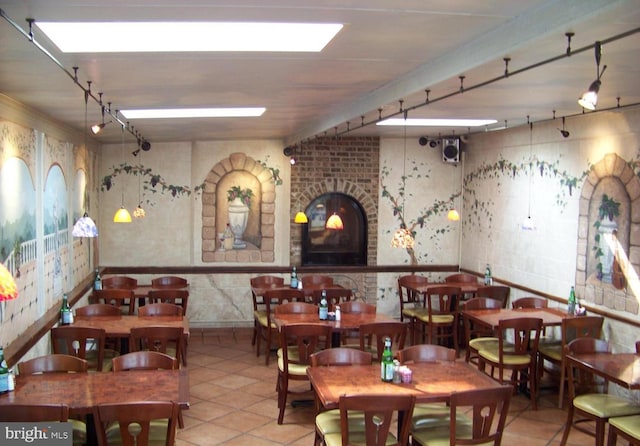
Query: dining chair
point(268, 329)
point(477, 336)
point(121, 282)
point(571, 328)
point(259, 310)
point(461, 278)
point(411, 304)
point(517, 351)
point(98, 310)
point(316, 281)
point(335, 296)
point(139, 423)
point(122, 298)
point(328, 421)
point(169, 282)
point(170, 296)
point(379, 411)
point(54, 363)
point(441, 320)
point(352, 337)
point(594, 404)
point(297, 343)
point(145, 360)
point(473, 415)
point(161, 339)
point(373, 335)
point(628, 428)
point(530, 302)
point(83, 342)
point(497, 292)
point(160, 309)
point(15, 413)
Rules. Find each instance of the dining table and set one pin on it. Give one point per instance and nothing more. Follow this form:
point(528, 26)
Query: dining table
point(259, 292)
point(622, 369)
point(490, 318)
point(465, 287)
point(82, 392)
point(347, 323)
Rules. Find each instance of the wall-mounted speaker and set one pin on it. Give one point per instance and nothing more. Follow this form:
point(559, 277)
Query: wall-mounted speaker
point(451, 150)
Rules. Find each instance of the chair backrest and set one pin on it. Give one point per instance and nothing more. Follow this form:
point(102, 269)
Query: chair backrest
point(55, 363)
point(486, 404)
point(296, 308)
point(405, 293)
point(587, 345)
point(340, 356)
point(379, 412)
point(170, 296)
point(134, 421)
point(33, 412)
point(266, 281)
point(358, 307)
point(98, 310)
point(78, 341)
point(335, 296)
point(119, 282)
point(443, 300)
point(122, 298)
point(497, 292)
point(378, 331)
point(518, 336)
point(305, 339)
point(461, 278)
point(530, 302)
point(480, 303)
point(160, 309)
point(581, 327)
point(157, 339)
point(169, 282)
point(316, 280)
point(586, 382)
point(144, 360)
point(425, 353)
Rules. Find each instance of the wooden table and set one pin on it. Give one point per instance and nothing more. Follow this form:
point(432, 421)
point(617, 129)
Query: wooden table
point(348, 322)
point(120, 326)
point(465, 287)
point(622, 369)
point(432, 382)
point(142, 291)
point(491, 318)
point(84, 391)
point(308, 291)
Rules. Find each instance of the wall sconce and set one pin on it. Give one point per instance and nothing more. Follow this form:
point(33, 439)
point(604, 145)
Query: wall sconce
point(589, 98)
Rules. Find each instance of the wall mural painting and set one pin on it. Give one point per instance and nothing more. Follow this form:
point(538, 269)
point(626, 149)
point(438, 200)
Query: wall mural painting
point(56, 222)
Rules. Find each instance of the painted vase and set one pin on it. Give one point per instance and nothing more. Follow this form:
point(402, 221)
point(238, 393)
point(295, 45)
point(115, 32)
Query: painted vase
point(238, 217)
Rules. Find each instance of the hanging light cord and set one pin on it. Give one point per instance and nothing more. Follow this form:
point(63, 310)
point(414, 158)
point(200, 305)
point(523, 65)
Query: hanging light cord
point(530, 165)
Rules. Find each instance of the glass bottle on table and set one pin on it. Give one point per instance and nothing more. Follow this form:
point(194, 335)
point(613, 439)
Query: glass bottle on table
point(4, 373)
point(97, 282)
point(66, 316)
point(294, 278)
point(386, 362)
point(488, 279)
point(571, 302)
point(323, 309)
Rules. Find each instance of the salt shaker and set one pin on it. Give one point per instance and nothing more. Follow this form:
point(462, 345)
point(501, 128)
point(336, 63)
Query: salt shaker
point(338, 313)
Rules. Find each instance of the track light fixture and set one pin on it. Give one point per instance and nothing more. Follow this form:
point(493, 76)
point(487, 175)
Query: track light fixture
point(97, 128)
point(423, 141)
point(563, 132)
point(589, 99)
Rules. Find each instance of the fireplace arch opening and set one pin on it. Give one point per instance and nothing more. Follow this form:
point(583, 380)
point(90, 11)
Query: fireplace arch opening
point(322, 246)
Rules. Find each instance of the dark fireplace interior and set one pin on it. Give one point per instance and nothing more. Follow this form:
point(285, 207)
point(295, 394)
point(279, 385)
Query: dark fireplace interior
point(322, 246)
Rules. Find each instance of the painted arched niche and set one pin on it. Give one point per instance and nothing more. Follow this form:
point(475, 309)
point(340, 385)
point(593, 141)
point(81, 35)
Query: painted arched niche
point(611, 176)
point(239, 170)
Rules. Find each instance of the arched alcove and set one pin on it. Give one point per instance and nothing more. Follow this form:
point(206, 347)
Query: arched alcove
point(243, 171)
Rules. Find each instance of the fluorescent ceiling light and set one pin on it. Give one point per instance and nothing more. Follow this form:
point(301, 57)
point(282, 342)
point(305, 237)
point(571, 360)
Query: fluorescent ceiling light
point(232, 112)
point(112, 37)
point(437, 122)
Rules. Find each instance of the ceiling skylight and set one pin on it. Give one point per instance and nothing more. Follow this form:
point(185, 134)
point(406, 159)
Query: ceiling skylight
point(231, 112)
point(101, 37)
point(437, 122)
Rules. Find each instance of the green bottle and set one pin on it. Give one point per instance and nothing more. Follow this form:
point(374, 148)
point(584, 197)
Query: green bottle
point(4, 373)
point(386, 362)
point(571, 302)
point(323, 310)
point(66, 316)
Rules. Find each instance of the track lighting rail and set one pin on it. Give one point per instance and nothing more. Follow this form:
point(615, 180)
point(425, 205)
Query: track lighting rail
point(74, 77)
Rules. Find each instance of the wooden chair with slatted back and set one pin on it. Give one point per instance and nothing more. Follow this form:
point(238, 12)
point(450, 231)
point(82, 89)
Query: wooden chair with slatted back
point(98, 310)
point(530, 302)
point(478, 418)
point(497, 292)
point(161, 339)
point(169, 282)
point(160, 309)
point(379, 412)
point(15, 413)
point(145, 360)
point(120, 282)
point(54, 363)
point(121, 298)
point(259, 309)
point(373, 335)
point(411, 304)
point(441, 321)
point(335, 296)
point(316, 281)
point(477, 336)
point(268, 329)
point(170, 296)
point(358, 307)
point(461, 278)
point(140, 423)
point(83, 342)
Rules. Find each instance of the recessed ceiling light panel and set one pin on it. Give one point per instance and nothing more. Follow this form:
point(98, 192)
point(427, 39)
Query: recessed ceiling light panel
point(437, 122)
point(121, 37)
point(176, 113)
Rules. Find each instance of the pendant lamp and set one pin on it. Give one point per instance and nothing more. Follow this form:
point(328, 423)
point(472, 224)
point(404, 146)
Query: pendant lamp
point(334, 222)
point(122, 215)
point(402, 237)
point(301, 218)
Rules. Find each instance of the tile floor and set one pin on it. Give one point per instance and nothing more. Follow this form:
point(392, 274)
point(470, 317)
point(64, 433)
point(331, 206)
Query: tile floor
point(233, 402)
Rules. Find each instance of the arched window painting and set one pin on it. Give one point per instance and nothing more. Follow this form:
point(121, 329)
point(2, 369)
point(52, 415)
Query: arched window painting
point(55, 221)
point(17, 213)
